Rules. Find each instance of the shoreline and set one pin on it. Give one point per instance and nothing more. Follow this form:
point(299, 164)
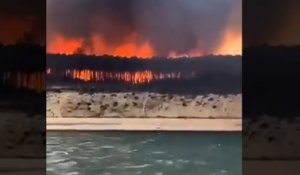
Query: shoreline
point(144, 124)
point(143, 111)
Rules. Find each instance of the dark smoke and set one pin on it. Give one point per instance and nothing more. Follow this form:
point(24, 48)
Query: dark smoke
point(264, 22)
point(180, 25)
point(29, 12)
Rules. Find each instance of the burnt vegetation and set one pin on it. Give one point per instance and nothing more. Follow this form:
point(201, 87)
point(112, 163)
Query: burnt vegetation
point(115, 63)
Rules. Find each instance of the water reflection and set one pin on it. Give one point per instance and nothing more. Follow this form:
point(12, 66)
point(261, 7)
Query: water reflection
point(33, 81)
point(133, 77)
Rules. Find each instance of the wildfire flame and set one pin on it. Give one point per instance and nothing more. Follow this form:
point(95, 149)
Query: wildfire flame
point(62, 45)
point(230, 44)
point(129, 48)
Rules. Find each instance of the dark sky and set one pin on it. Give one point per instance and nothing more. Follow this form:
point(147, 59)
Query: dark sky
point(272, 22)
point(22, 21)
point(168, 25)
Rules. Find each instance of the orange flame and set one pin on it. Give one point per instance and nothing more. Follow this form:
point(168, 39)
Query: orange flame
point(62, 45)
point(230, 44)
point(129, 48)
point(231, 41)
point(12, 29)
point(34, 81)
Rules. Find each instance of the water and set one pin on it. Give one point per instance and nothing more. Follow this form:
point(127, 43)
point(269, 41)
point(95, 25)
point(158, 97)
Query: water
point(128, 153)
point(27, 80)
point(131, 77)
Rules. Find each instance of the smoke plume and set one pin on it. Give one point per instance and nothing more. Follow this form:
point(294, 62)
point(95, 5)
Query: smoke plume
point(144, 28)
point(272, 22)
point(22, 21)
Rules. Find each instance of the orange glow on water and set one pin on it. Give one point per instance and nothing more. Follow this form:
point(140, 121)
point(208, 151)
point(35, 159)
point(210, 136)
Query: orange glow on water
point(131, 77)
point(138, 77)
point(33, 81)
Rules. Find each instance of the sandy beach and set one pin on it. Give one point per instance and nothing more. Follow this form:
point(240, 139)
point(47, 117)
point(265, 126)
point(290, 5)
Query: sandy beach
point(142, 124)
point(129, 111)
point(70, 104)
